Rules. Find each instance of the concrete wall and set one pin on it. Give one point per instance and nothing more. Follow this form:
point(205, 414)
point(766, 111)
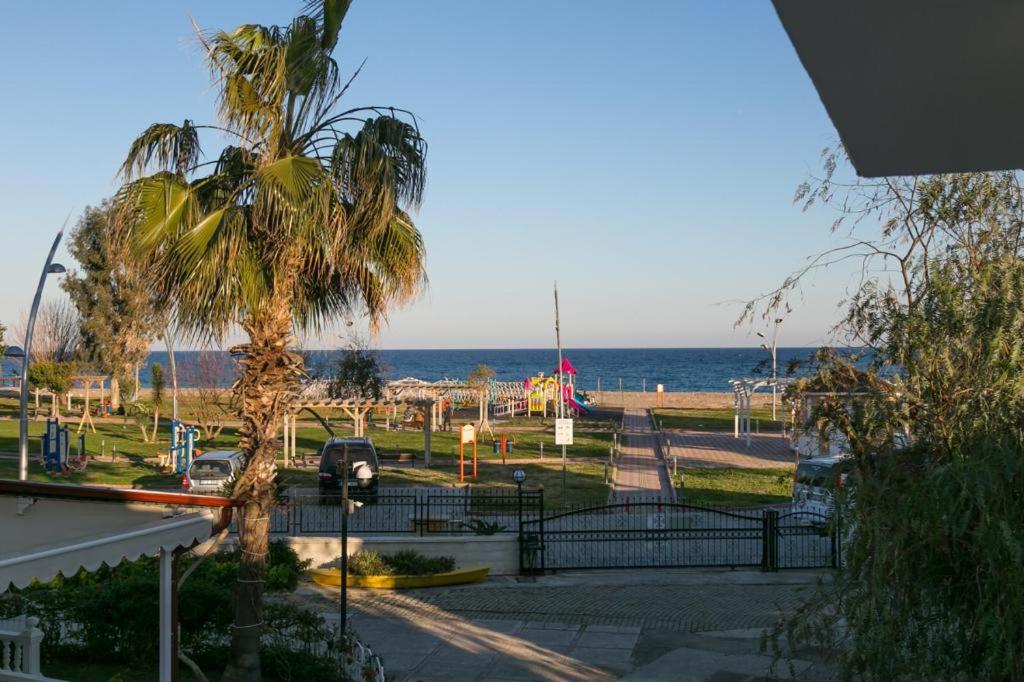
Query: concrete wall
point(500, 552)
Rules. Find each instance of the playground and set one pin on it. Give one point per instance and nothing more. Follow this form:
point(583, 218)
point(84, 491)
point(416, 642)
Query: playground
point(513, 425)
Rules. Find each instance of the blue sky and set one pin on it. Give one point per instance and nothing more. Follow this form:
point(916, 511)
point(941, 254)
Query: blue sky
point(643, 154)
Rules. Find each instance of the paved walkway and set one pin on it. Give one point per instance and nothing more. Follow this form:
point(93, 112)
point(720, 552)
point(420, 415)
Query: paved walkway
point(717, 449)
point(639, 472)
point(636, 625)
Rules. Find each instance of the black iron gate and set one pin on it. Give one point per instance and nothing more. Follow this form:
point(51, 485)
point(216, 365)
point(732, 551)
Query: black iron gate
point(652, 534)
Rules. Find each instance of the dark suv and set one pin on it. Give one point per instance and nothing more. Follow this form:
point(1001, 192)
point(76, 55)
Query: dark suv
point(361, 453)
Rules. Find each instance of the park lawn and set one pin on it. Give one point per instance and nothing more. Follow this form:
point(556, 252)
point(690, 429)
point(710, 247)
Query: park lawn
point(309, 438)
point(736, 487)
point(713, 418)
point(585, 480)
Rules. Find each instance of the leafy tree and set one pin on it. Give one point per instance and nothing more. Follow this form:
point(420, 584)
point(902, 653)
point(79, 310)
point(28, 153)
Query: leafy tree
point(56, 377)
point(111, 295)
point(480, 376)
point(301, 220)
point(358, 374)
point(156, 380)
point(3, 341)
point(933, 586)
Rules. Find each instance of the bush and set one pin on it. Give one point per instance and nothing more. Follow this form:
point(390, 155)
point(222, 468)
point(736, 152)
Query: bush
point(111, 613)
point(405, 562)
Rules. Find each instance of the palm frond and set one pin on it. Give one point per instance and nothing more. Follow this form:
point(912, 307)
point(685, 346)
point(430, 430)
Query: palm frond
point(163, 147)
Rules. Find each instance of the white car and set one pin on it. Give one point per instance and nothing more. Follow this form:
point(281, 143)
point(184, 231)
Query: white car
point(211, 471)
point(816, 483)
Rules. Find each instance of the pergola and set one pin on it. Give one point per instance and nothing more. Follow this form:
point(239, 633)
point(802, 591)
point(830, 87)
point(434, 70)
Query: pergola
point(743, 392)
point(357, 411)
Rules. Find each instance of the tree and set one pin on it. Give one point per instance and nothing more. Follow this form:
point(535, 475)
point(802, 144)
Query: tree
point(480, 376)
point(56, 377)
point(302, 219)
point(56, 337)
point(933, 586)
point(156, 380)
point(112, 297)
point(358, 374)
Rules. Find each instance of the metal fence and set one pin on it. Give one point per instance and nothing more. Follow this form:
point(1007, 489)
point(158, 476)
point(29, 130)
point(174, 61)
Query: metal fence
point(655, 534)
point(644, 533)
point(419, 511)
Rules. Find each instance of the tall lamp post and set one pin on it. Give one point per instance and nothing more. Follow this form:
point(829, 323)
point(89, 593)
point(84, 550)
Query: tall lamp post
point(773, 351)
point(363, 477)
point(49, 268)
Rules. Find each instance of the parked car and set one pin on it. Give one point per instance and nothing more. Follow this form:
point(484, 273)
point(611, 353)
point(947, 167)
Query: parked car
point(211, 471)
point(361, 453)
point(817, 481)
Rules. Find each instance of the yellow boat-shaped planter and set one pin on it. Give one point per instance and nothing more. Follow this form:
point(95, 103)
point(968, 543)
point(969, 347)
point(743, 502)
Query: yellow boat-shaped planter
point(331, 577)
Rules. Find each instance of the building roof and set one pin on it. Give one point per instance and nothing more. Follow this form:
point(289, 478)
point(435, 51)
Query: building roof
point(916, 86)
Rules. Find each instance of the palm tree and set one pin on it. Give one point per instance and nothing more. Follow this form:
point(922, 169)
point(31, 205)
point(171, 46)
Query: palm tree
point(302, 219)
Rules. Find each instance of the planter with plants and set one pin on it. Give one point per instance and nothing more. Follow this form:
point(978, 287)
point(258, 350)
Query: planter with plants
point(405, 569)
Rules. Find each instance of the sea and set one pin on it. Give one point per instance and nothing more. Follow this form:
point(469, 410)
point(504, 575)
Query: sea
point(608, 369)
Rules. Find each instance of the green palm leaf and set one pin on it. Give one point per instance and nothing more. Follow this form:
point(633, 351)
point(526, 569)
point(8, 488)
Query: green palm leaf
point(164, 204)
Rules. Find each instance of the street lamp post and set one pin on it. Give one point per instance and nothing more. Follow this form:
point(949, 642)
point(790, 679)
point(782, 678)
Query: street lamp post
point(773, 351)
point(363, 478)
point(49, 268)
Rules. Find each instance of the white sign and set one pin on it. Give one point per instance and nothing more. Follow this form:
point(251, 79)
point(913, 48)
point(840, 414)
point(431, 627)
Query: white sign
point(563, 432)
point(468, 433)
point(661, 388)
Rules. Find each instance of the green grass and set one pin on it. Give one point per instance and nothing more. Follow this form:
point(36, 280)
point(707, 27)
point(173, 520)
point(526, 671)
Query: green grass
point(713, 419)
point(585, 480)
point(736, 487)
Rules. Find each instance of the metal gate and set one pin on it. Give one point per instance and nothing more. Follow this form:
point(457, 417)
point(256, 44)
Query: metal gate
point(652, 534)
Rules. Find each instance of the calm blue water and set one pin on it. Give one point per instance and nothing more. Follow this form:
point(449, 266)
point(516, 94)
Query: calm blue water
point(679, 369)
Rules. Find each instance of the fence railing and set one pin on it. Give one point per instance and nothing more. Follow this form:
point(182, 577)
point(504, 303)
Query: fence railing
point(418, 511)
point(20, 640)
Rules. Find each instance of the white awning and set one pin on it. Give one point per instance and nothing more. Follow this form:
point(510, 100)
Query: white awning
point(41, 535)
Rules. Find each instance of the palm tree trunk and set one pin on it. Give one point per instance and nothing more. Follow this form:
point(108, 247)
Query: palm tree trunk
point(267, 385)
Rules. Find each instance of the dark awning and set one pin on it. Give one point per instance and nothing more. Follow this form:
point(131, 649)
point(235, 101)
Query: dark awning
point(917, 86)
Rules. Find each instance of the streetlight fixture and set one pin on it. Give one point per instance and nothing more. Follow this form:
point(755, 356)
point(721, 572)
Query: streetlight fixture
point(773, 351)
point(49, 268)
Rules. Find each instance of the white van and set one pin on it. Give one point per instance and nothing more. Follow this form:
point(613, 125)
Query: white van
point(816, 483)
point(211, 471)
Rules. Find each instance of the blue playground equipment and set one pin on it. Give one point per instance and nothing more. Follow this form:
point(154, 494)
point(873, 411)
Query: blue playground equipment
point(56, 444)
point(183, 444)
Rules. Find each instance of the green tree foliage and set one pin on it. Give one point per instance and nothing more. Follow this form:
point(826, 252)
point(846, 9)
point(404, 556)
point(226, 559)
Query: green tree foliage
point(302, 219)
point(157, 384)
point(358, 374)
point(112, 297)
point(55, 377)
point(933, 586)
point(480, 376)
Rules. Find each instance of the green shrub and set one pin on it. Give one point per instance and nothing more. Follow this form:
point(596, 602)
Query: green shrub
point(113, 611)
point(411, 562)
point(369, 562)
point(405, 562)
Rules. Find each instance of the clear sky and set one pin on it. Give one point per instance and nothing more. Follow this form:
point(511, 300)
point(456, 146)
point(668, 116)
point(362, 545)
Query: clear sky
point(643, 154)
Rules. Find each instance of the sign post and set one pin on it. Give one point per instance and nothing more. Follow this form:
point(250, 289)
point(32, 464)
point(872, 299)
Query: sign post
point(466, 435)
point(563, 431)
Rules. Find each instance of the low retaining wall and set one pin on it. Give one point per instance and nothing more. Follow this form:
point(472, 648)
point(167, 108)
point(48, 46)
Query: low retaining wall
point(500, 552)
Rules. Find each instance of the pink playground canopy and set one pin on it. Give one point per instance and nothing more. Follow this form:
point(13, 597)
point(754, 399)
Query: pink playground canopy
point(567, 367)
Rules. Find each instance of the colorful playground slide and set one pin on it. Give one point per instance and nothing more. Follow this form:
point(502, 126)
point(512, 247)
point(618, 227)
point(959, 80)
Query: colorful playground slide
point(577, 403)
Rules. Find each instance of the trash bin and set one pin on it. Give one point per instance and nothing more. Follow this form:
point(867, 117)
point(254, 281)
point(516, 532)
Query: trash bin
point(495, 444)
